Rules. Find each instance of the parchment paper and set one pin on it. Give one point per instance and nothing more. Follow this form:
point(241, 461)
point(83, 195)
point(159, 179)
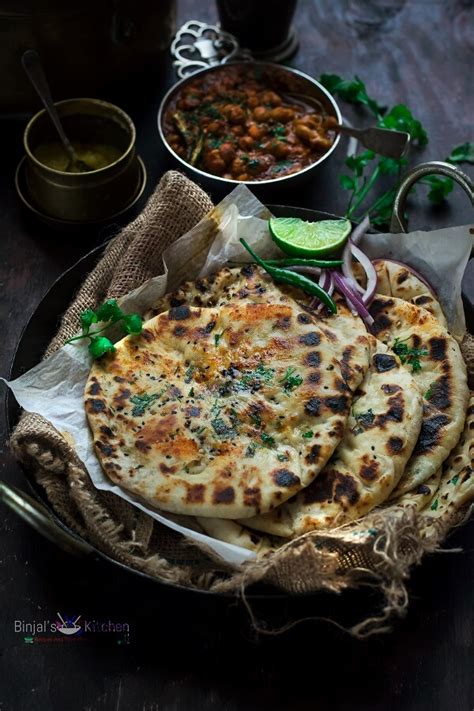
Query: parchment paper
point(54, 388)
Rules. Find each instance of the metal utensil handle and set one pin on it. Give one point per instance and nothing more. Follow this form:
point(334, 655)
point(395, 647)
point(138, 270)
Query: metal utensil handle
point(39, 518)
point(398, 222)
point(32, 66)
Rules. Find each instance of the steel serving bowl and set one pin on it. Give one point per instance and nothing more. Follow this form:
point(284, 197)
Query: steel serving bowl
point(293, 83)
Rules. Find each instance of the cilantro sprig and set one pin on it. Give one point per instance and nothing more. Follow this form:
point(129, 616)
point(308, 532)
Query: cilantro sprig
point(290, 381)
point(409, 355)
point(367, 168)
point(108, 313)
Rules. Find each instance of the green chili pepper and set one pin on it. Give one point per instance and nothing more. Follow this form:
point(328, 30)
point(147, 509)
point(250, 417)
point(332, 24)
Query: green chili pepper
point(301, 262)
point(294, 279)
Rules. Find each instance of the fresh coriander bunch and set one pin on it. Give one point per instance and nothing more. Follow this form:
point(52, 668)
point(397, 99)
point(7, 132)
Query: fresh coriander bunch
point(108, 314)
point(366, 168)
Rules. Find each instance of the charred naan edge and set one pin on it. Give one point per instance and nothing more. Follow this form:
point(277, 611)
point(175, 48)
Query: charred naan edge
point(247, 283)
point(456, 488)
point(420, 497)
point(233, 532)
point(379, 438)
point(399, 281)
point(205, 412)
point(442, 379)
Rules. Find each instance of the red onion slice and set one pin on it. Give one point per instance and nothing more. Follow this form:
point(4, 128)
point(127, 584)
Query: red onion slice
point(359, 231)
point(347, 267)
point(353, 300)
point(371, 274)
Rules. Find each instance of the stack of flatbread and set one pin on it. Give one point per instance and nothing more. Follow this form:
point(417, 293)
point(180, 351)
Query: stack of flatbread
point(245, 407)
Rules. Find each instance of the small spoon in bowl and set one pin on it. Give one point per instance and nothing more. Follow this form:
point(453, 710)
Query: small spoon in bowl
point(32, 66)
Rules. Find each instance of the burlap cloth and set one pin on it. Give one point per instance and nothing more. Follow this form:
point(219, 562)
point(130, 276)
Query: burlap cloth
point(380, 555)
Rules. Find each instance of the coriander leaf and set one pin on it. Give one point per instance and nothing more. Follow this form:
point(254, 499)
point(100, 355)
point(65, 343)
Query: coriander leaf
point(353, 92)
point(132, 323)
point(88, 317)
point(251, 449)
point(390, 166)
point(191, 392)
point(358, 163)
point(307, 435)
point(434, 505)
point(347, 182)
point(462, 154)
point(109, 311)
point(100, 345)
point(290, 381)
point(217, 338)
point(282, 457)
point(409, 355)
point(222, 429)
point(455, 479)
point(400, 118)
point(142, 402)
point(267, 440)
point(439, 187)
point(429, 392)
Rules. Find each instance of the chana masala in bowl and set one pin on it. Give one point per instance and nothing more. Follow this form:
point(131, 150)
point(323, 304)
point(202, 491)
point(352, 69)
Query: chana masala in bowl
point(249, 122)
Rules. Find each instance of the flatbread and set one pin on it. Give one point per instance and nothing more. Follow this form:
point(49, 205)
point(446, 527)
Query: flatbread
point(456, 488)
point(232, 532)
point(380, 435)
point(420, 497)
point(441, 378)
point(399, 281)
point(206, 412)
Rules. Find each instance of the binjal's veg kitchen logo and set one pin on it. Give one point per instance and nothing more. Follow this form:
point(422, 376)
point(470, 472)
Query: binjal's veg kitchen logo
point(75, 628)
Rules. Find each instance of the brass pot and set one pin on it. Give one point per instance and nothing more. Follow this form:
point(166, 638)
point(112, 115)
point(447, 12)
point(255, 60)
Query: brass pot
point(93, 195)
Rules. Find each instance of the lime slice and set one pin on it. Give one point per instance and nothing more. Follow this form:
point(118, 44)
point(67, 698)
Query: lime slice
point(308, 239)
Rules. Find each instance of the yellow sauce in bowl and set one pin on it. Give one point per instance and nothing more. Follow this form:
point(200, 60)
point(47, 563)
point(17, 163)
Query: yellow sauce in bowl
point(94, 155)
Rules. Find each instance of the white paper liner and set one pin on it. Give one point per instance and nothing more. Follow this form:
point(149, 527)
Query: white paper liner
point(55, 387)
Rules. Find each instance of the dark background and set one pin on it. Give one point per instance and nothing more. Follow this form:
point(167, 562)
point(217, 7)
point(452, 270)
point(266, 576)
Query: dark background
point(194, 652)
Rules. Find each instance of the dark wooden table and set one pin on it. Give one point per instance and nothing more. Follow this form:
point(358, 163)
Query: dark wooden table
point(187, 652)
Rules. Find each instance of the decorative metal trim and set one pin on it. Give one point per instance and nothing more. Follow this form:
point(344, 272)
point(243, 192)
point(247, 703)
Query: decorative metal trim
point(199, 46)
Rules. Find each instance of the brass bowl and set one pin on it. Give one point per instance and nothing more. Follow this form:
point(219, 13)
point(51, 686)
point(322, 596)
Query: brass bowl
point(281, 78)
point(94, 195)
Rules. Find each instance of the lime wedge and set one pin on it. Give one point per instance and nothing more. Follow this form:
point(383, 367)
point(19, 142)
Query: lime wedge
point(308, 239)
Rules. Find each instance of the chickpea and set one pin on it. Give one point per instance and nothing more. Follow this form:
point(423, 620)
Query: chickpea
point(227, 152)
point(235, 114)
point(282, 114)
point(305, 133)
point(214, 163)
point(321, 143)
point(255, 132)
point(312, 121)
point(237, 167)
point(330, 122)
point(238, 130)
point(243, 176)
point(246, 143)
point(217, 127)
point(190, 102)
point(278, 149)
point(270, 97)
point(260, 113)
point(252, 101)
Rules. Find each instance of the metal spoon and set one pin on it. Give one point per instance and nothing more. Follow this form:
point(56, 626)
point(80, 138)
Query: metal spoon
point(32, 66)
point(385, 142)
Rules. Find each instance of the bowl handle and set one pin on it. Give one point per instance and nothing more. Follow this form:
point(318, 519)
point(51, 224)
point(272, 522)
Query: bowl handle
point(39, 518)
point(398, 222)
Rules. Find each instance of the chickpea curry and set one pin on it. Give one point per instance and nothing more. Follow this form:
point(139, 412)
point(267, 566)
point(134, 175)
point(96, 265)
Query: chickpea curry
point(232, 124)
